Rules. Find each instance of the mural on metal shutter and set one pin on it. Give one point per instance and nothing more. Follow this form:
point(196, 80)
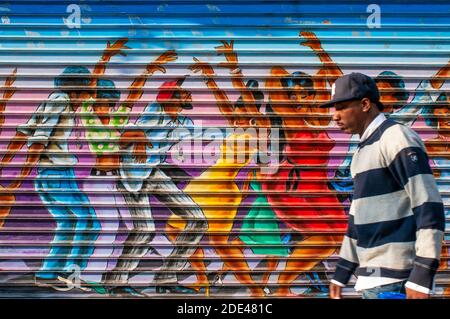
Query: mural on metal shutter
point(177, 148)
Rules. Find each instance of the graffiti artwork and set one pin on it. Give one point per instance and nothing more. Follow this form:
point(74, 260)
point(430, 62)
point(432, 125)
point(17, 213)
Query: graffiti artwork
point(158, 149)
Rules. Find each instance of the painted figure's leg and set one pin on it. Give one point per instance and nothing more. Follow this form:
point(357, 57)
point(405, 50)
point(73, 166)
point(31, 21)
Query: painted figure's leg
point(304, 258)
point(47, 184)
point(196, 260)
point(87, 226)
point(109, 220)
point(183, 206)
point(237, 263)
point(272, 264)
point(138, 240)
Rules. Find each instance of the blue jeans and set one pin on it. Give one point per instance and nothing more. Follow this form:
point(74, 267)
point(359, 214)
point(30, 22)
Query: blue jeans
point(372, 293)
point(77, 227)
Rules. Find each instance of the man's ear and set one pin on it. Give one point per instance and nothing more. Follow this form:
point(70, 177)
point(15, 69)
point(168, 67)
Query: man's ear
point(366, 105)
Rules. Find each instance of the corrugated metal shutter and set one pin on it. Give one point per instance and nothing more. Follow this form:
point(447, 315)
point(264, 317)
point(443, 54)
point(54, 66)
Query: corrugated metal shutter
point(71, 211)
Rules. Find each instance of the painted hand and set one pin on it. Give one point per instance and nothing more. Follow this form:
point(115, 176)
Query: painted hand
point(115, 48)
point(166, 57)
point(8, 92)
point(311, 40)
point(139, 141)
point(5, 209)
point(228, 51)
point(202, 67)
point(8, 88)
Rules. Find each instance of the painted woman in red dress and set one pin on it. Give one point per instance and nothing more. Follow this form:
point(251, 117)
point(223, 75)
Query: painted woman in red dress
point(298, 192)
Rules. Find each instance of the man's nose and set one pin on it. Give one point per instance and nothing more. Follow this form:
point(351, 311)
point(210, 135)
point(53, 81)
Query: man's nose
point(335, 116)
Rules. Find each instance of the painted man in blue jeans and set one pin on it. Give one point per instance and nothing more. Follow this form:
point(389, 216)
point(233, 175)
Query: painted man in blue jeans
point(46, 134)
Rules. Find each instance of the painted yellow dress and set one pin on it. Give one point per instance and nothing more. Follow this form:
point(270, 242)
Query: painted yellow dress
point(222, 193)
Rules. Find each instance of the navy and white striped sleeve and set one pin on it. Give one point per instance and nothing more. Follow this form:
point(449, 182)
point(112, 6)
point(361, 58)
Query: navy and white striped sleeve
point(348, 258)
point(408, 162)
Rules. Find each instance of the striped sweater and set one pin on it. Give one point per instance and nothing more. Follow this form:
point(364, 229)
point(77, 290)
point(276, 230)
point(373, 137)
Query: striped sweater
point(396, 219)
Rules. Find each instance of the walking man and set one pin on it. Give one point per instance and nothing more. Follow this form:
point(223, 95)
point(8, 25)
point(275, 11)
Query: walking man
point(396, 221)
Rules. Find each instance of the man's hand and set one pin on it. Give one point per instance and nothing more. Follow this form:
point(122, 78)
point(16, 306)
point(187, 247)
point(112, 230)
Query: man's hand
point(311, 40)
point(228, 51)
point(436, 173)
point(335, 291)
point(115, 49)
point(413, 294)
point(202, 67)
point(166, 57)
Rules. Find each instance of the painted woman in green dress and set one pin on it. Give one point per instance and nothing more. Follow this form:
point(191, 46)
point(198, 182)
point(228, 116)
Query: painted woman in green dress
point(261, 218)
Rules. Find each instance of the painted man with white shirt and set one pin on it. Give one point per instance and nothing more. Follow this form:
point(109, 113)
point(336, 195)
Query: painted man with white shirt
point(396, 223)
point(161, 126)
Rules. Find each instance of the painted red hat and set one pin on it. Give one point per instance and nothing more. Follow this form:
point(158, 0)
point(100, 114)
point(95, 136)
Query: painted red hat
point(167, 90)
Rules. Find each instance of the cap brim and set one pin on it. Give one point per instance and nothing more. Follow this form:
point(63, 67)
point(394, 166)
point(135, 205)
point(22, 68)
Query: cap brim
point(333, 102)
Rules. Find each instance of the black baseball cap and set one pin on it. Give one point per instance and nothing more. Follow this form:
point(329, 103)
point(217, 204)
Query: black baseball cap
point(354, 86)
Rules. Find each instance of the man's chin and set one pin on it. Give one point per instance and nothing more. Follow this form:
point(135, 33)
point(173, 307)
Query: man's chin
point(346, 130)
